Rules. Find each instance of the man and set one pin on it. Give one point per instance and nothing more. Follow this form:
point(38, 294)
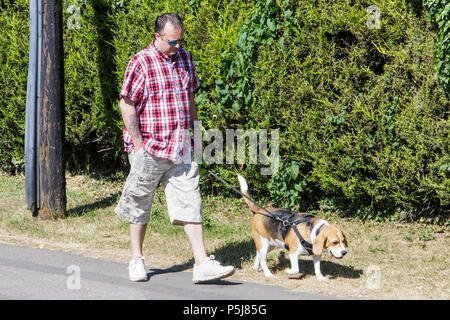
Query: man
point(158, 108)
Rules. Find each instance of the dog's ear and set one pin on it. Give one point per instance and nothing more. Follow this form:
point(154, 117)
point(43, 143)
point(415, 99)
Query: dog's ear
point(345, 240)
point(319, 242)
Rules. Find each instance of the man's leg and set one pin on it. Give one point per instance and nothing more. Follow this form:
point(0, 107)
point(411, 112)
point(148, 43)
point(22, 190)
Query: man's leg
point(136, 268)
point(194, 232)
point(136, 202)
point(137, 234)
point(184, 205)
point(205, 268)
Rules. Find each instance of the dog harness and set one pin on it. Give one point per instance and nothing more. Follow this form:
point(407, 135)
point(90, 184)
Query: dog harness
point(292, 220)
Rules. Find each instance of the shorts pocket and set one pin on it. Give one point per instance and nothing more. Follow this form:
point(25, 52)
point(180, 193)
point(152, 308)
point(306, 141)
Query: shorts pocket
point(145, 167)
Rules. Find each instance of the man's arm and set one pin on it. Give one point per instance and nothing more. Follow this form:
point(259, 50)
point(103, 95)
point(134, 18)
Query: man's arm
point(130, 121)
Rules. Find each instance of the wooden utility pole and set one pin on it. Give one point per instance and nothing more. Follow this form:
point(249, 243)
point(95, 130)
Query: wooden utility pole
point(52, 126)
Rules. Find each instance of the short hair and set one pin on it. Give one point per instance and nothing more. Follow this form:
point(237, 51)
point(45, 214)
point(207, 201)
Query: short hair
point(163, 19)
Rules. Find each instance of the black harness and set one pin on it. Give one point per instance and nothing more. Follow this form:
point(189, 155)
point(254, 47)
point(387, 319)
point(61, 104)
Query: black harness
point(293, 224)
point(288, 219)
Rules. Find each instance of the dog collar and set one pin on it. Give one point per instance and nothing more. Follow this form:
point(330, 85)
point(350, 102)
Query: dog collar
point(315, 231)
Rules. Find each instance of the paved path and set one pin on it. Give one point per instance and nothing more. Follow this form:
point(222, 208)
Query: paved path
point(29, 273)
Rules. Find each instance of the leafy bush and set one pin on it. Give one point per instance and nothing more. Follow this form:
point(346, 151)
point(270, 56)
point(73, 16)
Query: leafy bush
point(13, 84)
point(362, 113)
point(439, 14)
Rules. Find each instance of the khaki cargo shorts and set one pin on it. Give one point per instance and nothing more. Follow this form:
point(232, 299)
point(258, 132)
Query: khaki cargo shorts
point(180, 187)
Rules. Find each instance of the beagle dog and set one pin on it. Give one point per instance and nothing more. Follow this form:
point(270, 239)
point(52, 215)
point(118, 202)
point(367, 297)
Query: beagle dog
point(268, 232)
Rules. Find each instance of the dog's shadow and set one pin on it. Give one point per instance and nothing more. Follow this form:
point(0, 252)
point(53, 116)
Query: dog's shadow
point(236, 253)
point(330, 269)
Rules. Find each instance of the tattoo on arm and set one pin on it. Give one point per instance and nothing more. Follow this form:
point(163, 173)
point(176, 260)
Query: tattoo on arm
point(132, 126)
point(130, 120)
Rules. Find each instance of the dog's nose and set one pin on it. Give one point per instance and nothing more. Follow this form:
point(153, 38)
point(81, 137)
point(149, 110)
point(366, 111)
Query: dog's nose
point(344, 252)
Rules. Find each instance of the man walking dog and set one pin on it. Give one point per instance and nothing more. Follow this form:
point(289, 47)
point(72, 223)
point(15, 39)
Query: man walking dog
point(158, 108)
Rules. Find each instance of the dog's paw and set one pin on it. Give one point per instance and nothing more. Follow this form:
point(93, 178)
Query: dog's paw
point(269, 275)
point(321, 278)
point(291, 271)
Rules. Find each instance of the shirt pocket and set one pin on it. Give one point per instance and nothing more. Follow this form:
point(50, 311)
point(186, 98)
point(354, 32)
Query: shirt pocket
point(184, 79)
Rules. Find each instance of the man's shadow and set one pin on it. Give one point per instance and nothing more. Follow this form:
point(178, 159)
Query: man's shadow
point(185, 266)
point(172, 269)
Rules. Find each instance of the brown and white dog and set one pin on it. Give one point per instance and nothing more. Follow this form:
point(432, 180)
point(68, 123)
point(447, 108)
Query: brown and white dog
point(267, 233)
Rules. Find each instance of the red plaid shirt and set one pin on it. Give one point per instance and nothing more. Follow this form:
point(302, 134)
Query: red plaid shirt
point(160, 87)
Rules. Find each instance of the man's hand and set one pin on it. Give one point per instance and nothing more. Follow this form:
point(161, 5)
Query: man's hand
point(130, 121)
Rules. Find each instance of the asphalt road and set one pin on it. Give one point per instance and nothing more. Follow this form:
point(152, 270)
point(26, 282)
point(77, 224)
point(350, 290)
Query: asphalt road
point(29, 273)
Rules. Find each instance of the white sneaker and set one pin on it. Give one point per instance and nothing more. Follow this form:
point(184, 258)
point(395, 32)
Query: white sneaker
point(137, 270)
point(211, 269)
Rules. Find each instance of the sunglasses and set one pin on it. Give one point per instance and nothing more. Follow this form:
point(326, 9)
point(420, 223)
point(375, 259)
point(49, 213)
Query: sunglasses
point(174, 42)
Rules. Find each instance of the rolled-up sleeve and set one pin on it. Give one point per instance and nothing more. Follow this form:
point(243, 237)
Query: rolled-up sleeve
point(134, 81)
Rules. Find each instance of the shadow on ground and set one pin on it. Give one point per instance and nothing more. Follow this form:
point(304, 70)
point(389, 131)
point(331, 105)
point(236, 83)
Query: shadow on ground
point(90, 207)
point(235, 253)
point(330, 269)
point(186, 266)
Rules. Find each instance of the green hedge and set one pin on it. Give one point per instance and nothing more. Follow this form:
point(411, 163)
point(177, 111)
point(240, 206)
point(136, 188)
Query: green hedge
point(13, 84)
point(362, 113)
point(364, 118)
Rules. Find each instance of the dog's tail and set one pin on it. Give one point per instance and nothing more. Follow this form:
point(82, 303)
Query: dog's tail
point(244, 190)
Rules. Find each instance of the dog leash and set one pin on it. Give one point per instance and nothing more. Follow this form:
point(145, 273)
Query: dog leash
point(270, 215)
point(286, 223)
